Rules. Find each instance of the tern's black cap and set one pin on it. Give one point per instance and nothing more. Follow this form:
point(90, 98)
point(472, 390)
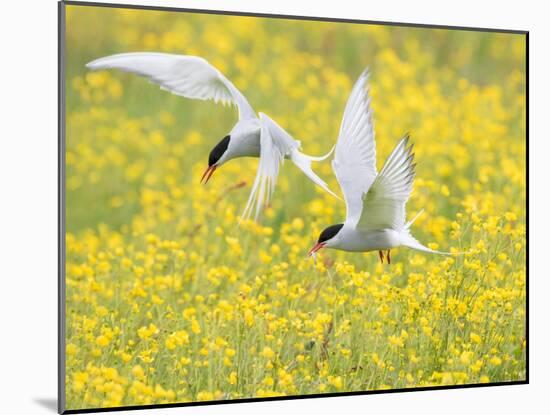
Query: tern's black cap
point(218, 151)
point(330, 232)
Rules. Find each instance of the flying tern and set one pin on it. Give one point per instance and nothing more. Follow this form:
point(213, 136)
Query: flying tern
point(375, 202)
point(252, 136)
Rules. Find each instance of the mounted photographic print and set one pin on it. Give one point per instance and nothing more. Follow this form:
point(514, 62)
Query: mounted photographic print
point(259, 207)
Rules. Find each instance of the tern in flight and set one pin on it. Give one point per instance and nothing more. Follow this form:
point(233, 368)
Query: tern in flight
point(252, 136)
point(375, 202)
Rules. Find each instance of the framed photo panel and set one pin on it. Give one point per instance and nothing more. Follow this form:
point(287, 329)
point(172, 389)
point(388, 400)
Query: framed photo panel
point(257, 207)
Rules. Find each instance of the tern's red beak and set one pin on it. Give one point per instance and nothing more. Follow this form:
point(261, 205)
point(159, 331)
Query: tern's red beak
point(208, 173)
point(316, 248)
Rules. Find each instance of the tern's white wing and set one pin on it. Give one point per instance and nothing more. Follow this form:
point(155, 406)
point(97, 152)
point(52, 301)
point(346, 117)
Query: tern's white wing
point(188, 76)
point(355, 156)
point(276, 144)
point(384, 203)
point(273, 149)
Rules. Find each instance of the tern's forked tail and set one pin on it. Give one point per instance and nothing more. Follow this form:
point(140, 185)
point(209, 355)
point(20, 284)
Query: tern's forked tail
point(411, 242)
point(303, 162)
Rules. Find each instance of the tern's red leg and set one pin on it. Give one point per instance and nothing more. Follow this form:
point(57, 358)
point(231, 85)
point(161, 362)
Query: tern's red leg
point(381, 255)
point(388, 257)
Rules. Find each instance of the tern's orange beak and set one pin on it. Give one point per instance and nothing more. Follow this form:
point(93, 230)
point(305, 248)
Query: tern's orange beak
point(316, 248)
point(208, 173)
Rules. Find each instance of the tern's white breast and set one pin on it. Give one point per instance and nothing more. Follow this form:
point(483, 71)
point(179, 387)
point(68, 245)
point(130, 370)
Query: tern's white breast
point(350, 239)
point(245, 139)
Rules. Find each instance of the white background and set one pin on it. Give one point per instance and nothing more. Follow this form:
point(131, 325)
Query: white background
point(28, 205)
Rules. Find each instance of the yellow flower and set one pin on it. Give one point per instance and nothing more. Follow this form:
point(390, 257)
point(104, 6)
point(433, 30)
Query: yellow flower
point(205, 396)
point(345, 352)
point(177, 338)
point(264, 257)
point(102, 340)
point(146, 332)
point(297, 224)
point(285, 378)
point(465, 357)
point(268, 353)
point(71, 349)
point(268, 381)
point(495, 361)
point(138, 372)
point(335, 381)
point(234, 245)
point(195, 326)
point(189, 312)
point(510, 216)
point(475, 338)
point(395, 341)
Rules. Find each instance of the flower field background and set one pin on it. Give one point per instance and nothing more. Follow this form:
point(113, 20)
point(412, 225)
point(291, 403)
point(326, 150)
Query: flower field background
point(169, 300)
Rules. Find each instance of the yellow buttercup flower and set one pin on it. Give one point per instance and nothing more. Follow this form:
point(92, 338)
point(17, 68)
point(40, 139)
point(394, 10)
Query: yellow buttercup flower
point(268, 353)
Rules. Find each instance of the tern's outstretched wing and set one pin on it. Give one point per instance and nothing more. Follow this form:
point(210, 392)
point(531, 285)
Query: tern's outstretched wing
point(188, 76)
point(276, 144)
point(355, 156)
point(384, 202)
point(273, 149)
